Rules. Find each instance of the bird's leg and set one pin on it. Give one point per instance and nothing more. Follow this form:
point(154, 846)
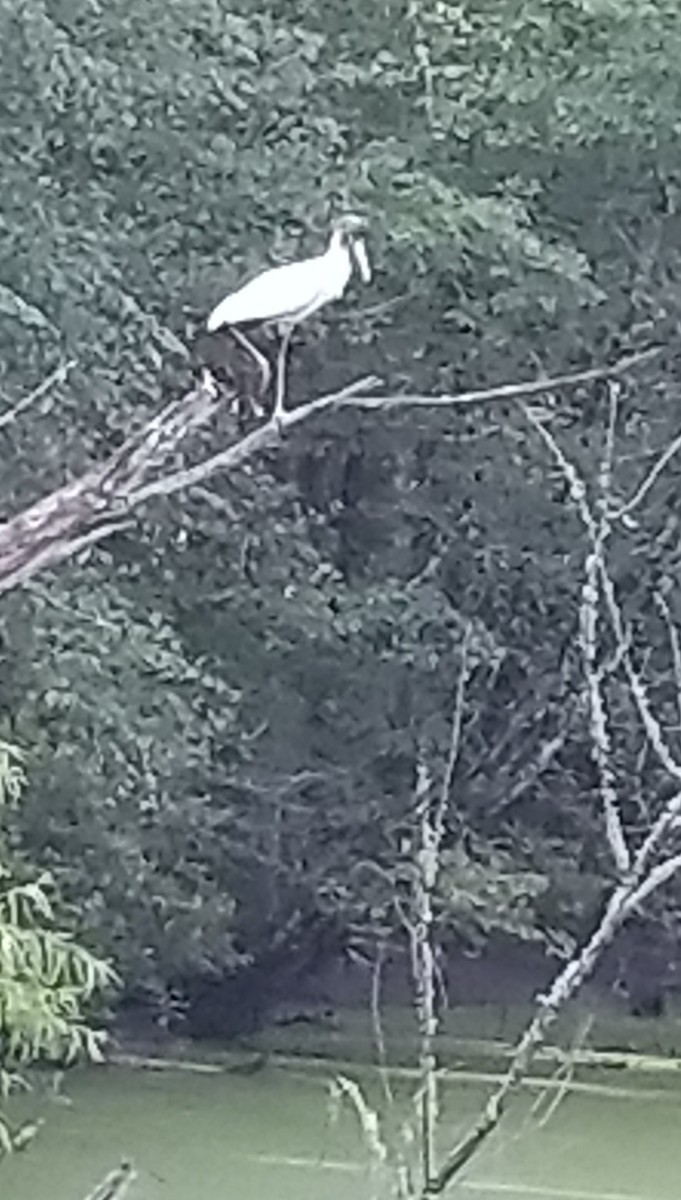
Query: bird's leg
point(281, 374)
point(258, 358)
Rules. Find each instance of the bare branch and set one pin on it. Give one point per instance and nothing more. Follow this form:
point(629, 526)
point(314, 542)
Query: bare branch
point(263, 438)
point(638, 691)
point(115, 1184)
point(601, 745)
point(92, 506)
point(653, 475)
point(637, 688)
point(625, 898)
point(218, 503)
point(505, 391)
point(56, 376)
point(405, 1188)
point(576, 485)
point(423, 965)
point(530, 774)
point(455, 737)
point(594, 567)
point(658, 875)
point(430, 822)
point(605, 473)
point(377, 1022)
point(675, 644)
point(47, 532)
point(672, 810)
point(353, 396)
point(562, 1077)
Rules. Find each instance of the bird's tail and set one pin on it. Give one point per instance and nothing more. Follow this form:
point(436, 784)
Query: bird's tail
point(220, 316)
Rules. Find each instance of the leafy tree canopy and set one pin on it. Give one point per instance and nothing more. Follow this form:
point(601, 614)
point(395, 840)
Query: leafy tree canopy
point(224, 702)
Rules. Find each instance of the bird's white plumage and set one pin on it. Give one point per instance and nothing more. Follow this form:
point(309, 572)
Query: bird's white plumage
point(286, 295)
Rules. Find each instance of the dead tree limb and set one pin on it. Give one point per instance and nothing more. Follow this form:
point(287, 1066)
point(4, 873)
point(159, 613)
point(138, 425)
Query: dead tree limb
point(642, 868)
point(91, 507)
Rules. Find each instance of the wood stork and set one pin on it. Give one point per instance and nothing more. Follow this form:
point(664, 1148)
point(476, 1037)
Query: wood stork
point(285, 296)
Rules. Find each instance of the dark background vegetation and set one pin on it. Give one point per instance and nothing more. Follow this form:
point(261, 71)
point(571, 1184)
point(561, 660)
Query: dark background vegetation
point(223, 707)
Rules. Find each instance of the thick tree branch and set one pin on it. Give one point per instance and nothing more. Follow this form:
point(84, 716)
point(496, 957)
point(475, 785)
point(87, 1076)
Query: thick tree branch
point(91, 507)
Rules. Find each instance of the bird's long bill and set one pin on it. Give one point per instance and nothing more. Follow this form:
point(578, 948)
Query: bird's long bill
point(361, 257)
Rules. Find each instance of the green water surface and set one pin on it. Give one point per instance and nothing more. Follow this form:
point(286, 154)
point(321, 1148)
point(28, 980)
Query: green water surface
point(269, 1137)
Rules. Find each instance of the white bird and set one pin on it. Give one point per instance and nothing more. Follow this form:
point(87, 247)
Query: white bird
point(285, 296)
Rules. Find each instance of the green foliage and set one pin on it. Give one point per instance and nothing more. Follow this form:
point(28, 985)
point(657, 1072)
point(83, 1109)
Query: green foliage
point(130, 738)
point(223, 704)
point(46, 978)
point(491, 892)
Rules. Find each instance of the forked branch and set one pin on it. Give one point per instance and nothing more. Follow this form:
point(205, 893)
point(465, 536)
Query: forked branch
point(91, 507)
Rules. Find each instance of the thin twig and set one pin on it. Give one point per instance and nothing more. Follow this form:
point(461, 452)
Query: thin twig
point(354, 396)
point(405, 1188)
point(377, 1023)
point(637, 688)
point(57, 376)
point(505, 391)
point(246, 448)
point(576, 485)
point(423, 962)
point(653, 475)
point(658, 875)
point(430, 824)
point(45, 533)
point(675, 644)
point(601, 741)
point(608, 457)
point(624, 900)
point(672, 809)
point(563, 1076)
point(578, 492)
point(115, 1184)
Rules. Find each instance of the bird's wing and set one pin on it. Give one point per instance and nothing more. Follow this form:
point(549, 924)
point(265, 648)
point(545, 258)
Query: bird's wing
point(278, 294)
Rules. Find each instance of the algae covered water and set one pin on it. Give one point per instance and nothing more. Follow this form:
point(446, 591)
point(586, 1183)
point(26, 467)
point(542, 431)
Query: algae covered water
point(271, 1136)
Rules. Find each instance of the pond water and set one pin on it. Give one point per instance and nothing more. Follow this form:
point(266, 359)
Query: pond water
point(269, 1137)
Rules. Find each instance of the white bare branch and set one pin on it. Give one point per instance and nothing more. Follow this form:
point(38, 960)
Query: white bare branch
point(675, 646)
point(637, 687)
point(624, 900)
point(455, 736)
point(598, 532)
point(658, 875)
point(50, 530)
point(653, 475)
point(115, 1185)
point(55, 377)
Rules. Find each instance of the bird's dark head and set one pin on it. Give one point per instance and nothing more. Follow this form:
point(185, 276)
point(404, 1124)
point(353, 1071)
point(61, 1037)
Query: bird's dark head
point(348, 232)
